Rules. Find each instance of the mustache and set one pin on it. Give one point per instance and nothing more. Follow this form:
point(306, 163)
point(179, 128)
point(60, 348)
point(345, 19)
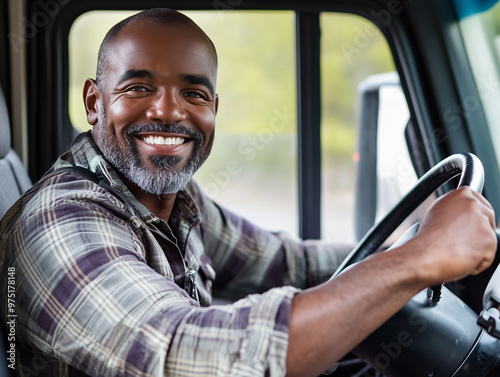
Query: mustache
point(166, 127)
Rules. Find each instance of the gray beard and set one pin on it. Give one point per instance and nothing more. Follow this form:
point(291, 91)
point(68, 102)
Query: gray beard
point(163, 179)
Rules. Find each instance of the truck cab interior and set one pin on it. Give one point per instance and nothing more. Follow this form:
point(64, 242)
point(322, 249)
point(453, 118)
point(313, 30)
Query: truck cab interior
point(330, 113)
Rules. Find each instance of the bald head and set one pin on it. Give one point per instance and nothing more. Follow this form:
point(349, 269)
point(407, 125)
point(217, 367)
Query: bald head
point(156, 16)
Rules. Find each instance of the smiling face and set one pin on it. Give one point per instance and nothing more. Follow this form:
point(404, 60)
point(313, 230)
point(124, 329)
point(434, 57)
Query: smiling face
point(154, 112)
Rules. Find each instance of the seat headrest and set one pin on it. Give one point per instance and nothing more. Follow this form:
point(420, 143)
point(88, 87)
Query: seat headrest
point(4, 127)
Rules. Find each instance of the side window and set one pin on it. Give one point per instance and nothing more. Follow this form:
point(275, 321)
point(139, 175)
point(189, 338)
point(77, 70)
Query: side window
point(355, 58)
point(479, 25)
point(253, 166)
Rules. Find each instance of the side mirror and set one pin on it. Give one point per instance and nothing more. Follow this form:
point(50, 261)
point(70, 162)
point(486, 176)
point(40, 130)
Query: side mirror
point(384, 166)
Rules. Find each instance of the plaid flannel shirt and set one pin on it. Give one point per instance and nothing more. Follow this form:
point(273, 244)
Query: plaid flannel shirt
point(100, 282)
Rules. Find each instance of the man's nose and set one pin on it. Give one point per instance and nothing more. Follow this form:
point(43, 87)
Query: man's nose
point(167, 108)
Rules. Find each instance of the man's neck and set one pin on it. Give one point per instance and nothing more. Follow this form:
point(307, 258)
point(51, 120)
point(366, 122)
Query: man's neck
point(161, 206)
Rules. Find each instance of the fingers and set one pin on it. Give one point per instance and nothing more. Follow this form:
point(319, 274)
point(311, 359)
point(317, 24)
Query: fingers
point(461, 224)
point(488, 209)
point(482, 266)
point(481, 198)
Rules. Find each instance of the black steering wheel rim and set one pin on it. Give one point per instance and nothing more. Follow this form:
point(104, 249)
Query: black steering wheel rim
point(465, 164)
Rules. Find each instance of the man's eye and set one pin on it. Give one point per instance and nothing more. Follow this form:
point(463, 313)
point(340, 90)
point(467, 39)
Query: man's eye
point(194, 95)
point(137, 88)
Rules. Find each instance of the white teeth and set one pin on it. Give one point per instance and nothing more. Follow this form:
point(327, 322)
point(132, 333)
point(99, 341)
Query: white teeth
point(160, 140)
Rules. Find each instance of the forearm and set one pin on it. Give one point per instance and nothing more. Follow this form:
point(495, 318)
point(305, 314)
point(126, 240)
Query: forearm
point(328, 321)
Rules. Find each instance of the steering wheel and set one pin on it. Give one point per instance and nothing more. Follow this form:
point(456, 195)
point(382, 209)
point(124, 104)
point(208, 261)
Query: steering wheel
point(471, 172)
point(465, 164)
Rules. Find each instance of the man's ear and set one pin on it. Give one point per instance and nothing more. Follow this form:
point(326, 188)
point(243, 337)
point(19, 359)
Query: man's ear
point(216, 103)
point(91, 98)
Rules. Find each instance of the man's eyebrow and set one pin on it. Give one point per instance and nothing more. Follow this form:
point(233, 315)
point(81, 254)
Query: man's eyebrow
point(192, 79)
point(136, 73)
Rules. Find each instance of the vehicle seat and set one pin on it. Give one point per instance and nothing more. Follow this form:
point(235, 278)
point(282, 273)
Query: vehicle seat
point(14, 181)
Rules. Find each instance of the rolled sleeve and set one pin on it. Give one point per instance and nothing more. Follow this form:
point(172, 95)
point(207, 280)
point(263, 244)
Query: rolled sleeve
point(247, 338)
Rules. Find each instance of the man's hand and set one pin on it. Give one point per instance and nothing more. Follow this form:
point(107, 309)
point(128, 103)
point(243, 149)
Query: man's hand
point(456, 238)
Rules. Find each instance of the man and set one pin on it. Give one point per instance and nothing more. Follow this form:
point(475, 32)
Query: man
point(115, 261)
